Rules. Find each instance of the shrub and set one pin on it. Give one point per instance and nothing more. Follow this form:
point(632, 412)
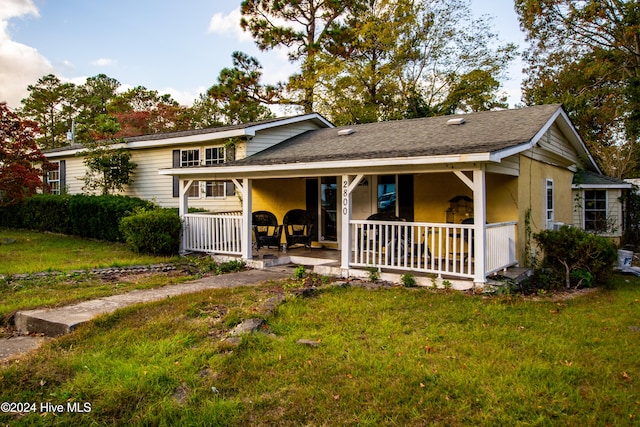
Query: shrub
point(576, 258)
point(409, 280)
point(155, 232)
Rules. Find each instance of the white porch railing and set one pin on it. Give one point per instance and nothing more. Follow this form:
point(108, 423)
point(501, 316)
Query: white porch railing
point(501, 246)
point(214, 233)
point(442, 249)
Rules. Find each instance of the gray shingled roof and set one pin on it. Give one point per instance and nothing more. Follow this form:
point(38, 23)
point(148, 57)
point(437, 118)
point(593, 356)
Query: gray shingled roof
point(180, 134)
point(588, 179)
point(482, 132)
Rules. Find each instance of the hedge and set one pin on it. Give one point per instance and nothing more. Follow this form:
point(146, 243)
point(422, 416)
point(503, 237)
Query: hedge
point(95, 217)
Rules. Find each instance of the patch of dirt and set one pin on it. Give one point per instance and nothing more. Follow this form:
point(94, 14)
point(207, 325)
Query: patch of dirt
point(564, 295)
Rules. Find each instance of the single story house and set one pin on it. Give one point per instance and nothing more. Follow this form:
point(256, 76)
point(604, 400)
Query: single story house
point(455, 196)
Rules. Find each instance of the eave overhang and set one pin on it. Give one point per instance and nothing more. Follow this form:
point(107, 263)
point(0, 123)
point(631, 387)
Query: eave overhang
point(333, 168)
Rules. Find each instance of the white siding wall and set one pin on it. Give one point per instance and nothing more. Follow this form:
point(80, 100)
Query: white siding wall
point(147, 183)
point(75, 171)
point(270, 137)
point(614, 210)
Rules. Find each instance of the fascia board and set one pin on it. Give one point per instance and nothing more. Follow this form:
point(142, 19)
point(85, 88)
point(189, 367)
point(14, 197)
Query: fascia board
point(291, 120)
point(188, 139)
point(350, 165)
point(600, 186)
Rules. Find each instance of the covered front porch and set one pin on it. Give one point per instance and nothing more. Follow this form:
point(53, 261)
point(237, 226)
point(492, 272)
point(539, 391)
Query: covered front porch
point(457, 249)
point(442, 251)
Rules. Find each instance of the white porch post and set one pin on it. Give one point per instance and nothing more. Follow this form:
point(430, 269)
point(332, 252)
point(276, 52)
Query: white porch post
point(347, 185)
point(345, 211)
point(183, 209)
point(247, 205)
point(479, 225)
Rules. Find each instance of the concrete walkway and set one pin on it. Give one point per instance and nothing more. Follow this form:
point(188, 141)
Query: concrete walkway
point(58, 321)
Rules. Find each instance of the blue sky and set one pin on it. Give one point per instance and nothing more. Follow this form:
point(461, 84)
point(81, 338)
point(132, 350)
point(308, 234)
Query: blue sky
point(169, 46)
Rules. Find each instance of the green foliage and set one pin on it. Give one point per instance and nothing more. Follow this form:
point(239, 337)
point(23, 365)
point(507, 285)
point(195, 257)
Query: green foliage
point(575, 258)
point(230, 267)
point(373, 273)
point(50, 104)
point(240, 96)
point(584, 54)
point(409, 280)
point(300, 272)
point(109, 168)
point(155, 232)
point(393, 59)
point(95, 217)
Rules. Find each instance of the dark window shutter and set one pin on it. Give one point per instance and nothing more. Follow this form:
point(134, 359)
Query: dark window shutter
point(176, 180)
point(63, 176)
point(231, 189)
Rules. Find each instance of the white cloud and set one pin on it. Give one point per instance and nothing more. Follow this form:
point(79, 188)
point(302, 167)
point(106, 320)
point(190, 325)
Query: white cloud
point(183, 97)
point(20, 65)
point(229, 25)
point(13, 8)
point(103, 62)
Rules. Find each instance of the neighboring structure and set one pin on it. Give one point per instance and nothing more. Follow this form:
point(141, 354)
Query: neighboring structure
point(195, 148)
point(471, 189)
point(598, 205)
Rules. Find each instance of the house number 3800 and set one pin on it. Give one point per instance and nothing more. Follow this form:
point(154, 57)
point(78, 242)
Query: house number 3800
point(345, 197)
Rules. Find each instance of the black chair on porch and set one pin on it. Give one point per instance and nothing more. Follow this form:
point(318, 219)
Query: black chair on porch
point(266, 229)
point(297, 227)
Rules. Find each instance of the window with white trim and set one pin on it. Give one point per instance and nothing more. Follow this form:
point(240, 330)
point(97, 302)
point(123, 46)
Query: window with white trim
point(216, 189)
point(53, 179)
point(595, 210)
point(219, 189)
point(189, 158)
point(214, 155)
point(194, 190)
point(549, 204)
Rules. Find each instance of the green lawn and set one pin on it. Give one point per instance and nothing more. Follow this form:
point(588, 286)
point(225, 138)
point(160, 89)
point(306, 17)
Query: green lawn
point(393, 357)
point(33, 252)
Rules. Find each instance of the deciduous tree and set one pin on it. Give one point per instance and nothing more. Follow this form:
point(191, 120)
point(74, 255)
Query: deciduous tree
point(586, 54)
point(401, 58)
point(109, 165)
point(19, 155)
